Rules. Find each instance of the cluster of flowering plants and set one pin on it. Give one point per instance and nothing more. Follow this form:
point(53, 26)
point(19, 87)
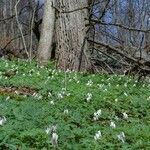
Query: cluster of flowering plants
point(70, 110)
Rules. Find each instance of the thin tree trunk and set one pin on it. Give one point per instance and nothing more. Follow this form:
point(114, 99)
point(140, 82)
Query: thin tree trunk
point(47, 30)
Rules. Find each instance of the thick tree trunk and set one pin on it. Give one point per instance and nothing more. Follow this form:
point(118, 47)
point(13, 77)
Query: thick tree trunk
point(47, 30)
point(71, 32)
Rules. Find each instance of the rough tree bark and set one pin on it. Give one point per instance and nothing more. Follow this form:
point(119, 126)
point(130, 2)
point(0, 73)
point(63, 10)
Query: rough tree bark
point(47, 30)
point(70, 34)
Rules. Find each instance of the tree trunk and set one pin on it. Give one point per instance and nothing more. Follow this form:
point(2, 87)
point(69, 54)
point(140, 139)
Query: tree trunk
point(71, 33)
point(47, 30)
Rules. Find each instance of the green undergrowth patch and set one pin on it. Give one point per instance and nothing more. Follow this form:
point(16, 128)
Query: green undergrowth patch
point(27, 117)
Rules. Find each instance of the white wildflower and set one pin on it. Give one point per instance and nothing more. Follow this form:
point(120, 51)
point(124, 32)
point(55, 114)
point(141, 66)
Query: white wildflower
point(38, 73)
point(78, 81)
point(95, 118)
point(52, 102)
point(39, 97)
point(53, 128)
point(97, 115)
point(41, 67)
point(125, 116)
point(116, 118)
point(54, 139)
point(97, 135)
point(68, 71)
point(116, 100)
point(66, 111)
point(89, 83)
point(35, 95)
point(24, 96)
point(49, 94)
point(48, 130)
point(105, 90)
point(2, 120)
point(99, 112)
point(112, 125)
point(121, 137)
point(63, 89)
point(68, 94)
point(88, 97)
point(148, 98)
point(125, 94)
point(60, 96)
point(7, 98)
point(70, 80)
point(108, 79)
point(16, 92)
point(125, 85)
point(100, 85)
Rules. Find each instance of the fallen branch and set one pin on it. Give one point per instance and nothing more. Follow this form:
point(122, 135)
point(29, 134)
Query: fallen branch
point(116, 51)
point(143, 67)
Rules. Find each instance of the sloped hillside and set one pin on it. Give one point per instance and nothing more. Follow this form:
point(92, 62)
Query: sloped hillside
point(86, 111)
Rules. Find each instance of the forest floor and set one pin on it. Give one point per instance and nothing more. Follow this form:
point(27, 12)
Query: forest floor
point(34, 98)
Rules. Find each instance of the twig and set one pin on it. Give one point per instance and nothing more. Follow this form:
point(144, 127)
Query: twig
point(31, 36)
point(81, 53)
point(117, 51)
point(12, 41)
point(119, 25)
point(20, 28)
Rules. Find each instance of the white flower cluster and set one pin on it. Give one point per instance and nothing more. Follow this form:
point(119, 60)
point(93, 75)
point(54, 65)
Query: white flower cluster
point(89, 83)
point(97, 135)
point(62, 93)
point(112, 125)
point(148, 98)
point(54, 135)
point(2, 120)
point(121, 137)
point(66, 111)
point(125, 116)
point(97, 114)
point(52, 102)
point(88, 97)
point(76, 78)
point(100, 86)
point(37, 96)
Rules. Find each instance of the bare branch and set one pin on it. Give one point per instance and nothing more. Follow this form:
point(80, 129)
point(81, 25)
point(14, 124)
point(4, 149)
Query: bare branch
point(116, 51)
point(119, 25)
point(20, 28)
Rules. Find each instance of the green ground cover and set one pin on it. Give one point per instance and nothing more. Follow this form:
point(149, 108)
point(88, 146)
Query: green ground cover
point(71, 101)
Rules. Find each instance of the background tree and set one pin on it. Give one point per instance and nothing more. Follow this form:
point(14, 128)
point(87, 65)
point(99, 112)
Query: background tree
point(46, 39)
point(105, 35)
